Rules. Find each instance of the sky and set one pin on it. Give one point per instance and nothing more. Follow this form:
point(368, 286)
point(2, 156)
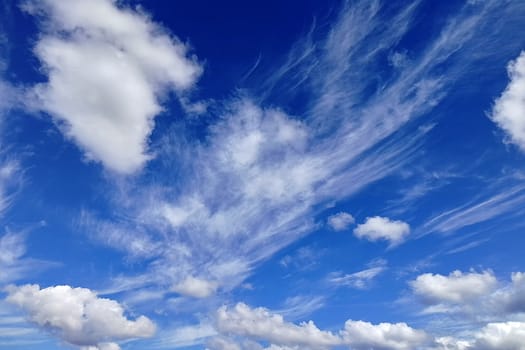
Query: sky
point(262, 175)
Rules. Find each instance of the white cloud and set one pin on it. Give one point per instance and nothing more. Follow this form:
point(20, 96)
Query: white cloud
point(107, 67)
point(13, 263)
point(261, 176)
point(360, 335)
point(184, 336)
point(501, 335)
point(12, 248)
point(195, 287)
point(499, 201)
point(509, 109)
point(381, 228)
point(472, 296)
point(457, 287)
point(221, 343)
point(261, 324)
point(11, 179)
point(360, 279)
point(340, 221)
point(78, 316)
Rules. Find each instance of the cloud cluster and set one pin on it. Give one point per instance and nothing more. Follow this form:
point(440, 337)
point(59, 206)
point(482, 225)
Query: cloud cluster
point(476, 298)
point(509, 109)
point(78, 316)
point(477, 294)
point(380, 228)
point(107, 66)
point(262, 324)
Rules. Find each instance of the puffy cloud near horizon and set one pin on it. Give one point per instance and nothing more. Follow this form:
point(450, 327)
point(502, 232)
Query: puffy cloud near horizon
point(107, 66)
point(340, 221)
point(380, 228)
point(78, 317)
point(509, 109)
point(501, 335)
point(262, 324)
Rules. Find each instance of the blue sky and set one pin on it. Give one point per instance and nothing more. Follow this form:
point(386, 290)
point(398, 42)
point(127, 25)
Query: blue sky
point(232, 175)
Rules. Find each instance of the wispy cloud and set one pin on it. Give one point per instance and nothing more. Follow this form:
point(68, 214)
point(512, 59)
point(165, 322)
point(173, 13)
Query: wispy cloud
point(361, 279)
point(502, 200)
point(259, 177)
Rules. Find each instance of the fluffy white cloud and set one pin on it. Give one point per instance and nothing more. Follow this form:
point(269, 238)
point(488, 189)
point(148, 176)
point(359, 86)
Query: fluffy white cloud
point(509, 109)
point(195, 287)
point(106, 68)
point(501, 335)
point(362, 335)
point(340, 221)
point(457, 287)
point(381, 228)
point(78, 316)
point(261, 324)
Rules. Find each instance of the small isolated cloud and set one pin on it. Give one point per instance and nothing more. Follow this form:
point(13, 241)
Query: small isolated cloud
point(195, 287)
point(107, 67)
point(340, 221)
point(78, 317)
point(380, 228)
point(457, 287)
point(263, 325)
point(509, 109)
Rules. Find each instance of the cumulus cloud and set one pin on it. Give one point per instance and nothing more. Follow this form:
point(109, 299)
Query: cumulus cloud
point(78, 316)
point(457, 287)
point(340, 221)
point(509, 109)
point(501, 335)
point(475, 295)
point(362, 335)
point(262, 324)
point(380, 228)
point(107, 67)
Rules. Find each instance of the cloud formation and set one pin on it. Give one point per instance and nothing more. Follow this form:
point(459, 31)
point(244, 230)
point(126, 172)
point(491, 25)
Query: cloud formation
point(262, 324)
point(107, 67)
point(380, 228)
point(509, 109)
point(340, 221)
point(502, 335)
point(457, 287)
point(78, 317)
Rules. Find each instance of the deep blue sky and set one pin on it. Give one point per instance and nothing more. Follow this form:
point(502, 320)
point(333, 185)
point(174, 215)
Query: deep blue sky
point(212, 175)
